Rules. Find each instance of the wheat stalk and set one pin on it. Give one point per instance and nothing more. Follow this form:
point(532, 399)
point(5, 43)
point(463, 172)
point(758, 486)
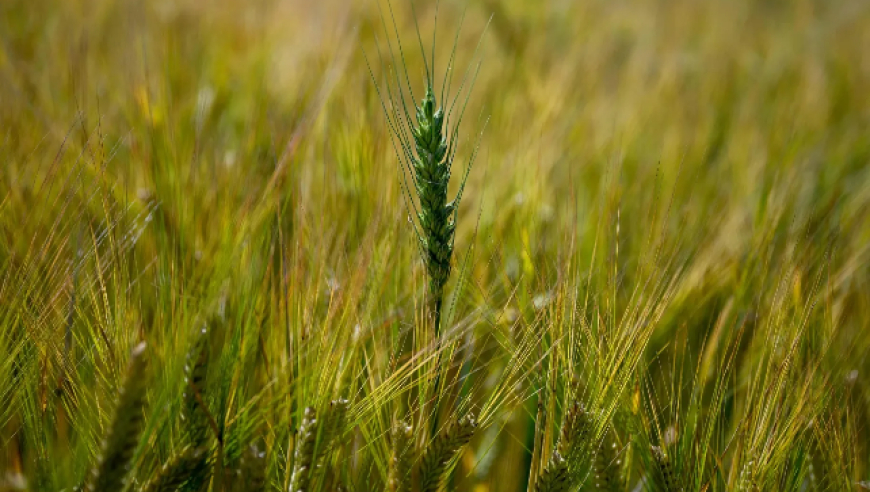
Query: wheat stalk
point(435, 463)
point(436, 215)
point(110, 474)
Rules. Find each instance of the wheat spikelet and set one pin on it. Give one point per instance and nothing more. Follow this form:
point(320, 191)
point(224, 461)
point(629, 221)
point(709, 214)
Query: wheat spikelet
point(195, 373)
point(118, 448)
point(436, 459)
point(400, 458)
point(304, 455)
point(670, 480)
point(555, 477)
point(178, 470)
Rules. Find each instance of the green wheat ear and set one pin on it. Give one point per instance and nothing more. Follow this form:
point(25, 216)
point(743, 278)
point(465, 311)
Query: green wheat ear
point(426, 150)
point(193, 396)
point(333, 426)
point(304, 454)
point(436, 216)
point(177, 471)
point(574, 438)
point(608, 466)
point(575, 434)
point(555, 477)
point(435, 463)
point(670, 480)
point(110, 474)
point(400, 457)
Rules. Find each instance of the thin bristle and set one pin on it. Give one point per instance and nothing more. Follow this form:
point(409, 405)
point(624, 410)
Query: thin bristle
point(435, 464)
point(110, 475)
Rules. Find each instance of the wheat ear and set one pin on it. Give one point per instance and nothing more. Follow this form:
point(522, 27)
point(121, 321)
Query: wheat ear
point(555, 477)
point(178, 470)
point(333, 425)
point(118, 448)
point(608, 467)
point(195, 374)
point(670, 479)
point(573, 437)
point(576, 431)
point(252, 472)
point(746, 479)
point(431, 176)
point(400, 458)
point(303, 456)
point(435, 463)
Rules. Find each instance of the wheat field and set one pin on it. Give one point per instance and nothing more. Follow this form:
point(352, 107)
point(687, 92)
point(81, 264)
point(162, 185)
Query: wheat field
point(434, 245)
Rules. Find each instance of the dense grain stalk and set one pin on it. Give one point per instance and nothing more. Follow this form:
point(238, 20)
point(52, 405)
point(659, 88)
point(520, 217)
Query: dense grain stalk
point(436, 215)
point(111, 473)
point(435, 463)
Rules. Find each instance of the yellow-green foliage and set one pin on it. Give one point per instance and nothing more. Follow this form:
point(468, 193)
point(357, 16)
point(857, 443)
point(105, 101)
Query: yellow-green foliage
point(666, 220)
